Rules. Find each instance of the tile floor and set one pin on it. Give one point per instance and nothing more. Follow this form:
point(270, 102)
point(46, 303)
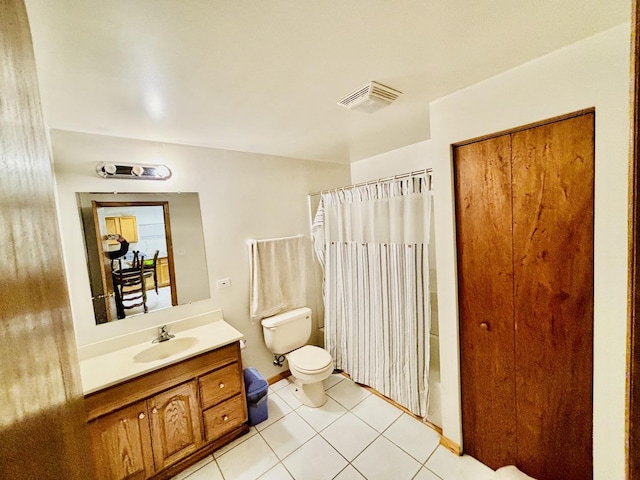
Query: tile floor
point(356, 435)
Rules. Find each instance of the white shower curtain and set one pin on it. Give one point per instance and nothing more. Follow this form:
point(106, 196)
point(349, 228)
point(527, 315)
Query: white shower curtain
point(372, 242)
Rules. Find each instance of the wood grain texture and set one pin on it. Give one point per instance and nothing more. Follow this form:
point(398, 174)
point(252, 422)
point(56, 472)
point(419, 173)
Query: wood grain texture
point(121, 444)
point(633, 360)
point(553, 193)
point(176, 430)
point(485, 296)
point(171, 405)
point(224, 417)
point(544, 346)
point(220, 385)
point(41, 411)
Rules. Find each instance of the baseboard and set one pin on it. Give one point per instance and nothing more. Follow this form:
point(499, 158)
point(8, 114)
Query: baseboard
point(450, 445)
point(279, 377)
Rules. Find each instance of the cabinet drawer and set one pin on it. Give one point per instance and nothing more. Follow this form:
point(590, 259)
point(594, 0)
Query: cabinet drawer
point(225, 417)
point(220, 385)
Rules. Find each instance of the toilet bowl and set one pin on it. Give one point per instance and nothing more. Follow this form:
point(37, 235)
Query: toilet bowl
point(310, 366)
point(287, 334)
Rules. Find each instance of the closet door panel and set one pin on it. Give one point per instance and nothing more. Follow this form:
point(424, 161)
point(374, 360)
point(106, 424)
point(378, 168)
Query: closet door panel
point(485, 291)
point(553, 174)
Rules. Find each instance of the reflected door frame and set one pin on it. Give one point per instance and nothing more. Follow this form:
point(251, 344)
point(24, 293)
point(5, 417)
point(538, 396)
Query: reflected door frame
point(105, 265)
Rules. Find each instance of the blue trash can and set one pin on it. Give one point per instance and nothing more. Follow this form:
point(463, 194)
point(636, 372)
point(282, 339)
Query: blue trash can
point(256, 387)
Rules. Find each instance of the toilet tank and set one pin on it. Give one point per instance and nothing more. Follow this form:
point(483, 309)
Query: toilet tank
point(287, 331)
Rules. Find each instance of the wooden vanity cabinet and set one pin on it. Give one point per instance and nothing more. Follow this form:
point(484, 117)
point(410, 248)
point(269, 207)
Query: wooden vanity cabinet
point(156, 425)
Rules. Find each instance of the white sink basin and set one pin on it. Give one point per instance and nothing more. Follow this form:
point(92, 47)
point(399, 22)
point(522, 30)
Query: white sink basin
point(164, 350)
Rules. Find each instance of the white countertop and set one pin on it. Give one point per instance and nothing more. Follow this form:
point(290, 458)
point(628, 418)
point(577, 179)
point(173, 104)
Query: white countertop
point(111, 368)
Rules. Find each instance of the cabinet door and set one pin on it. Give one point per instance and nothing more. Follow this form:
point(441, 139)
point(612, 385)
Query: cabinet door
point(175, 424)
point(164, 279)
point(553, 174)
point(485, 296)
point(121, 444)
point(112, 225)
point(129, 228)
point(125, 226)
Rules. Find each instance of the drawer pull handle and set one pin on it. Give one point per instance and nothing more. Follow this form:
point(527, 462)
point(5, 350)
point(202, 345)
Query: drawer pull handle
point(155, 410)
point(225, 418)
point(221, 385)
point(141, 416)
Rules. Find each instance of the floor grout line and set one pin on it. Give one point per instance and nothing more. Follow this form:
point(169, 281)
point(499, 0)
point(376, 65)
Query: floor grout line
point(318, 432)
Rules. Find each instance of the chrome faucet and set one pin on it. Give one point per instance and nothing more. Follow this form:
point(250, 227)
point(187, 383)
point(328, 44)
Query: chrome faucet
point(163, 335)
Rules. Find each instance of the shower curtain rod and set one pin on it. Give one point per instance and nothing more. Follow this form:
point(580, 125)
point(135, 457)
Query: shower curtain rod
point(425, 171)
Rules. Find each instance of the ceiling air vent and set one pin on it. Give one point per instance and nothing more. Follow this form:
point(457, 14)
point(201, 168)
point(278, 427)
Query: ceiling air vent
point(373, 96)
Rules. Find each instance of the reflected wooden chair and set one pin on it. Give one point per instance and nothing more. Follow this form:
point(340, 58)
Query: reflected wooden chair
point(130, 283)
point(137, 260)
point(151, 269)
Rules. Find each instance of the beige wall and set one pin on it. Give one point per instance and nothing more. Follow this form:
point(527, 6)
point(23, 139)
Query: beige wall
point(242, 196)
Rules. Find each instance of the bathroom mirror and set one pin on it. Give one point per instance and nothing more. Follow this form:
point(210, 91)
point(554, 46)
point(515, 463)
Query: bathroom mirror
point(164, 263)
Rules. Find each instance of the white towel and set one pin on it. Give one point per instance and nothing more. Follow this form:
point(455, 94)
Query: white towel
point(510, 473)
point(278, 276)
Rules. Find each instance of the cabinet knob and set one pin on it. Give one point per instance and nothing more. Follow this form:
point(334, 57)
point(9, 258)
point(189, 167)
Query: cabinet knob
point(155, 410)
point(141, 416)
point(221, 385)
point(484, 326)
point(225, 418)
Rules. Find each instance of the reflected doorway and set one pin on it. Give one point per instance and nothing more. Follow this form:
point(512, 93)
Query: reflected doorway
point(133, 242)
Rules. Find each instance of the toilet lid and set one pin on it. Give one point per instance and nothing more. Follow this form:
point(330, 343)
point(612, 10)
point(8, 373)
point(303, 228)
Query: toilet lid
point(310, 358)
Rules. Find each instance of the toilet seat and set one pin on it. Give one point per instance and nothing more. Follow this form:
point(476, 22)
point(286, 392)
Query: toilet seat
point(309, 359)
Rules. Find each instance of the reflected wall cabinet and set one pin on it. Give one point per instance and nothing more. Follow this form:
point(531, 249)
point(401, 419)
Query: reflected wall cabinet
point(127, 226)
point(524, 228)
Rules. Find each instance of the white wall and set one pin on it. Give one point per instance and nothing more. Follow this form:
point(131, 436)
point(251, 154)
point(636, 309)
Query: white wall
point(396, 162)
point(242, 196)
point(591, 73)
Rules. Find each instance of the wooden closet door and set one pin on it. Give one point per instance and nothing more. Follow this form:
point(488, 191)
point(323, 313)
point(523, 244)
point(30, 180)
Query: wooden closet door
point(485, 286)
point(553, 175)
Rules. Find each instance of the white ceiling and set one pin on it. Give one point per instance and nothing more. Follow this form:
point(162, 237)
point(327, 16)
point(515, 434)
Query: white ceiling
point(265, 75)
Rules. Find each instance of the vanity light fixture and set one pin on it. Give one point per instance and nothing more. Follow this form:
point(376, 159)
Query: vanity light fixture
point(133, 170)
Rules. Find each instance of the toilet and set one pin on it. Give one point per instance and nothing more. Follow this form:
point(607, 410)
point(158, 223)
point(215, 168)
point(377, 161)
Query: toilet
point(287, 334)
